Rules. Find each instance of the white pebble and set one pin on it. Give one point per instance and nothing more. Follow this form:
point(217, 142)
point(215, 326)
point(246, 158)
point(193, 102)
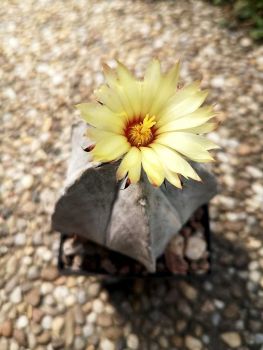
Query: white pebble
point(16, 296)
point(20, 239)
point(70, 300)
point(218, 82)
point(26, 181)
point(60, 293)
point(47, 322)
point(22, 322)
point(92, 317)
point(106, 344)
point(133, 341)
point(97, 306)
point(88, 330)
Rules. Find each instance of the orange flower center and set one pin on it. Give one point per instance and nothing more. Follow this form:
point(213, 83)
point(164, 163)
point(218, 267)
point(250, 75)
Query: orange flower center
point(141, 133)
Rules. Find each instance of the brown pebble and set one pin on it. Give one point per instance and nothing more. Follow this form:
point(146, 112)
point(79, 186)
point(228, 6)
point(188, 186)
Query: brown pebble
point(104, 320)
point(20, 337)
point(44, 338)
point(33, 297)
point(6, 329)
point(49, 273)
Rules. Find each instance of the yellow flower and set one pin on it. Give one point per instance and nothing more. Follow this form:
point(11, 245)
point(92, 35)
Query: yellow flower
point(149, 123)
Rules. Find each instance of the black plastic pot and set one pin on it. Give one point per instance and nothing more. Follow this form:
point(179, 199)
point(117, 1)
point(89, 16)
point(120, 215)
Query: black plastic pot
point(86, 258)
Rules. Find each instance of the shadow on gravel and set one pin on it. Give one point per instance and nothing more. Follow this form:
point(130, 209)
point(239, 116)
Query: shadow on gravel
point(162, 312)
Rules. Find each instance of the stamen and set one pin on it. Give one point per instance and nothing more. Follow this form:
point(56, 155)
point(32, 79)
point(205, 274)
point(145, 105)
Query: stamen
point(141, 133)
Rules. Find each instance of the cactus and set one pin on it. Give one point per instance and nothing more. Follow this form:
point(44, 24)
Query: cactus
point(138, 221)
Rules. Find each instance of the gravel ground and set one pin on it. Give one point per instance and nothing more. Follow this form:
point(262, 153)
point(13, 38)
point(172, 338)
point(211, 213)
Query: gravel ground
point(50, 57)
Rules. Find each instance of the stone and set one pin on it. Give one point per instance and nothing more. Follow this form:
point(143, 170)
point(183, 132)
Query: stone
point(20, 337)
point(189, 291)
point(6, 329)
point(218, 82)
point(106, 344)
point(58, 343)
point(13, 345)
point(27, 181)
point(69, 328)
point(70, 300)
point(246, 42)
point(88, 330)
point(104, 320)
point(258, 338)
point(232, 339)
point(79, 315)
point(93, 289)
point(20, 239)
point(33, 297)
point(11, 266)
point(46, 322)
point(193, 343)
point(97, 306)
point(44, 338)
point(33, 273)
point(195, 248)
point(49, 273)
point(3, 344)
point(57, 326)
point(79, 343)
point(22, 322)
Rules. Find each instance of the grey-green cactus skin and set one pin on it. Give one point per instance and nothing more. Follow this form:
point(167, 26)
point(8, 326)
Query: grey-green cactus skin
point(138, 221)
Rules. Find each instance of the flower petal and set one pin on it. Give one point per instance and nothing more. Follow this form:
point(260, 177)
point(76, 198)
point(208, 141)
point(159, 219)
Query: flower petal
point(110, 75)
point(185, 101)
point(131, 164)
point(131, 87)
point(152, 166)
point(150, 85)
point(101, 117)
point(202, 129)
point(192, 146)
point(109, 146)
point(173, 178)
point(196, 118)
point(167, 88)
point(108, 97)
point(174, 162)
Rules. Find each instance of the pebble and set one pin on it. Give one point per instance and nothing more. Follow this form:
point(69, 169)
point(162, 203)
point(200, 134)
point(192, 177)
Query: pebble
point(106, 344)
point(93, 289)
point(16, 295)
point(195, 248)
point(60, 293)
point(44, 338)
point(20, 239)
point(189, 291)
point(232, 339)
point(57, 325)
point(193, 343)
point(218, 82)
point(97, 306)
point(20, 337)
point(6, 328)
point(79, 343)
point(33, 297)
point(27, 181)
point(133, 341)
point(33, 273)
point(49, 273)
point(22, 322)
point(88, 330)
point(46, 322)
